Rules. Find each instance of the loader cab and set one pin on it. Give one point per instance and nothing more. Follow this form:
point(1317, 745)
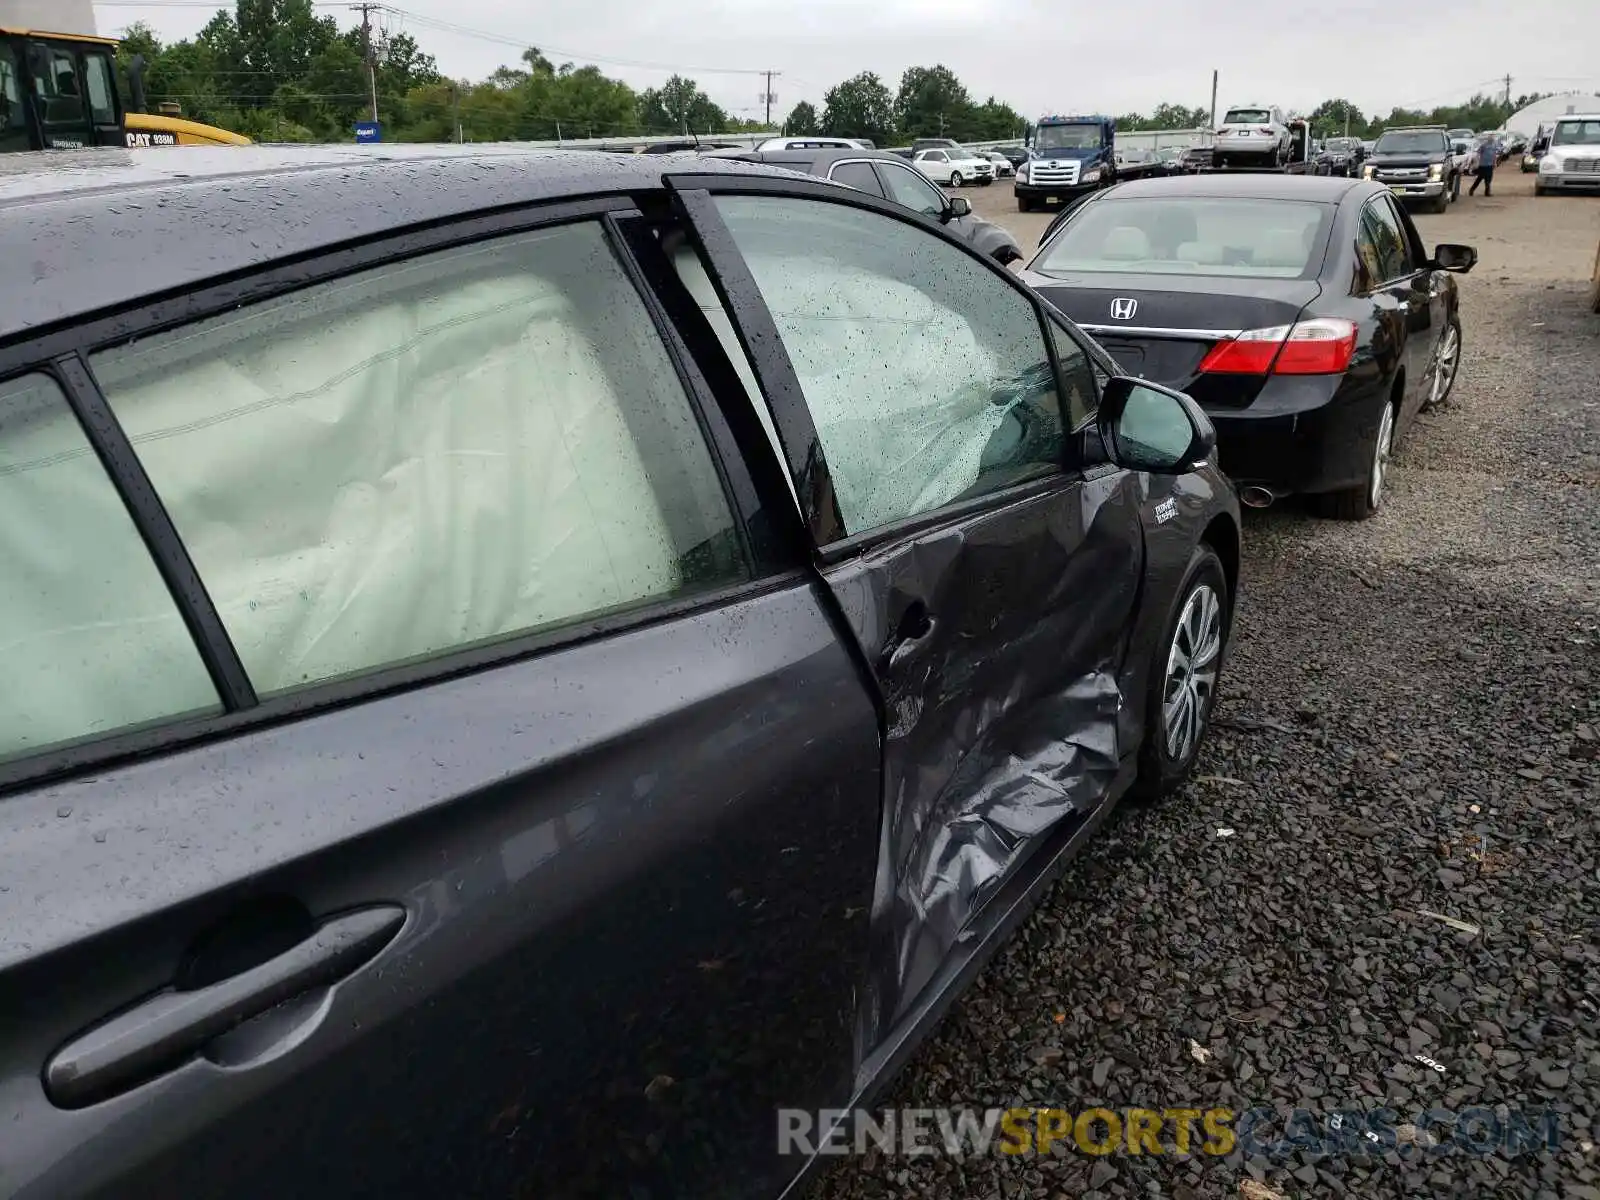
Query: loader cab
point(58, 91)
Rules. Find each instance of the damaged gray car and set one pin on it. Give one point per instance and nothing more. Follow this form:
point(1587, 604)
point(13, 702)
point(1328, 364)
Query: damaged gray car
point(524, 666)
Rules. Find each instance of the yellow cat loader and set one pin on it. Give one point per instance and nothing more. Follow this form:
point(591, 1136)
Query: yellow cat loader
point(58, 91)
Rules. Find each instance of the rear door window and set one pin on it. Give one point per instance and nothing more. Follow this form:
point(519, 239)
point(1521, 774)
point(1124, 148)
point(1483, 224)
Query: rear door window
point(91, 643)
point(858, 175)
point(427, 456)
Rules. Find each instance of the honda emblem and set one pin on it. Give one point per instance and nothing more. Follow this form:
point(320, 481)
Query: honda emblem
point(1123, 308)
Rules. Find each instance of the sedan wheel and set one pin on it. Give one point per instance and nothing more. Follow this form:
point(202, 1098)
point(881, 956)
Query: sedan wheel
point(1184, 677)
point(1360, 502)
point(1192, 661)
point(1446, 362)
point(1380, 459)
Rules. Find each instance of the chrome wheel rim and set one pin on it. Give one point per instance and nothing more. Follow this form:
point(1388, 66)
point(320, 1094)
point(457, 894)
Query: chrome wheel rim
point(1445, 363)
point(1380, 456)
point(1191, 681)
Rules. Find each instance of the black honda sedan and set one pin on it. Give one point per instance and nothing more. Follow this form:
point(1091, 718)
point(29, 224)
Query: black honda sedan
point(519, 666)
point(1304, 314)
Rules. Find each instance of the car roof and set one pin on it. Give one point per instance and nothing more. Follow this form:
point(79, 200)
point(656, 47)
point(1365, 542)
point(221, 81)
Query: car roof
point(97, 229)
point(1324, 189)
point(810, 159)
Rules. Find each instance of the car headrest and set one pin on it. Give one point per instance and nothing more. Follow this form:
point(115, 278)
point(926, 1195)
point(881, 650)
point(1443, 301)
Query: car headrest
point(1203, 253)
point(1126, 242)
point(1280, 248)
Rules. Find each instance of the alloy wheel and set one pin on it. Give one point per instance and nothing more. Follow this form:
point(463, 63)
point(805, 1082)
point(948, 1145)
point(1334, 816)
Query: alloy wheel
point(1446, 358)
point(1380, 457)
point(1192, 662)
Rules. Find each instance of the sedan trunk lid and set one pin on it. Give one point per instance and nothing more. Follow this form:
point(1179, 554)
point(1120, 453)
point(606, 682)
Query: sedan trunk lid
point(1161, 327)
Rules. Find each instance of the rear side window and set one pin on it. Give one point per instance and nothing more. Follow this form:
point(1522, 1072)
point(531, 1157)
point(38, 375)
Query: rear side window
point(431, 455)
point(90, 641)
point(858, 175)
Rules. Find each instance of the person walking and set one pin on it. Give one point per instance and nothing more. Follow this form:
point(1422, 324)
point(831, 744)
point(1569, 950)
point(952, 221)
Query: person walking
point(1488, 152)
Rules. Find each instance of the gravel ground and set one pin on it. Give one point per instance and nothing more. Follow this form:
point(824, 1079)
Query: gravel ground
point(1410, 726)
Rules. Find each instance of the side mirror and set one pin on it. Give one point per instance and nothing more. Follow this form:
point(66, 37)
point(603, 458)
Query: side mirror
point(1147, 427)
point(1450, 257)
point(960, 206)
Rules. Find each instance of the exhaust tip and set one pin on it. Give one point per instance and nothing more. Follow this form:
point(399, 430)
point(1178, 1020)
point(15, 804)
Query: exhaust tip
point(1256, 497)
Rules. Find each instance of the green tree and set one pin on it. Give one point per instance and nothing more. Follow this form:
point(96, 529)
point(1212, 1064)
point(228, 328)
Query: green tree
point(264, 44)
point(993, 121)
point(679, 106)
point(1178, 116)
point(931, 102)
point(802, 120)
point(859, 107)
point(1332, 117)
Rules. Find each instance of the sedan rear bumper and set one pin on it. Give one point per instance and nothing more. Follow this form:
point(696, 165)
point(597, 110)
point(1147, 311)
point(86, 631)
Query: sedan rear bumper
point(1305, 434)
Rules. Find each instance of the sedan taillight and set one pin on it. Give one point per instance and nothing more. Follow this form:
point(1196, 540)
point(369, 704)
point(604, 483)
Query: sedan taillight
point(1321, 346)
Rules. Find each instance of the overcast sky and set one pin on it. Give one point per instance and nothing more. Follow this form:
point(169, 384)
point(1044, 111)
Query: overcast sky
point(1038, 55)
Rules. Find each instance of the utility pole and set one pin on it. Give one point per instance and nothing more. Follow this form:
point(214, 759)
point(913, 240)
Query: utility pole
point(455, 109)
point(1508, 97)
point(365, 9)
point(768, 97)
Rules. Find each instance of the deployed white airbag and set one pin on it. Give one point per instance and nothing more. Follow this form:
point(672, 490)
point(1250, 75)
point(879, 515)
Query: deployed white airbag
point(419, 458)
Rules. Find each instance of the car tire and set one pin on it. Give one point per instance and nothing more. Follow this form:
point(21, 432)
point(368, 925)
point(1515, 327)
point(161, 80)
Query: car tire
point(1366, 498)
point(1024, 204)
point(1447, 358)
point(1441, 202)
point(1201, 613)
point(955, 178)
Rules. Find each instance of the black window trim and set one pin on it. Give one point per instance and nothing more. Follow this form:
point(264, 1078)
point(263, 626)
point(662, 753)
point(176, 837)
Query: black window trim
point(161, 538)
point(62, 354)
point(694, 198)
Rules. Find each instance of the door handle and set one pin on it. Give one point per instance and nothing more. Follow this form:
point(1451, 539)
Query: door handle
point(162, 1031)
